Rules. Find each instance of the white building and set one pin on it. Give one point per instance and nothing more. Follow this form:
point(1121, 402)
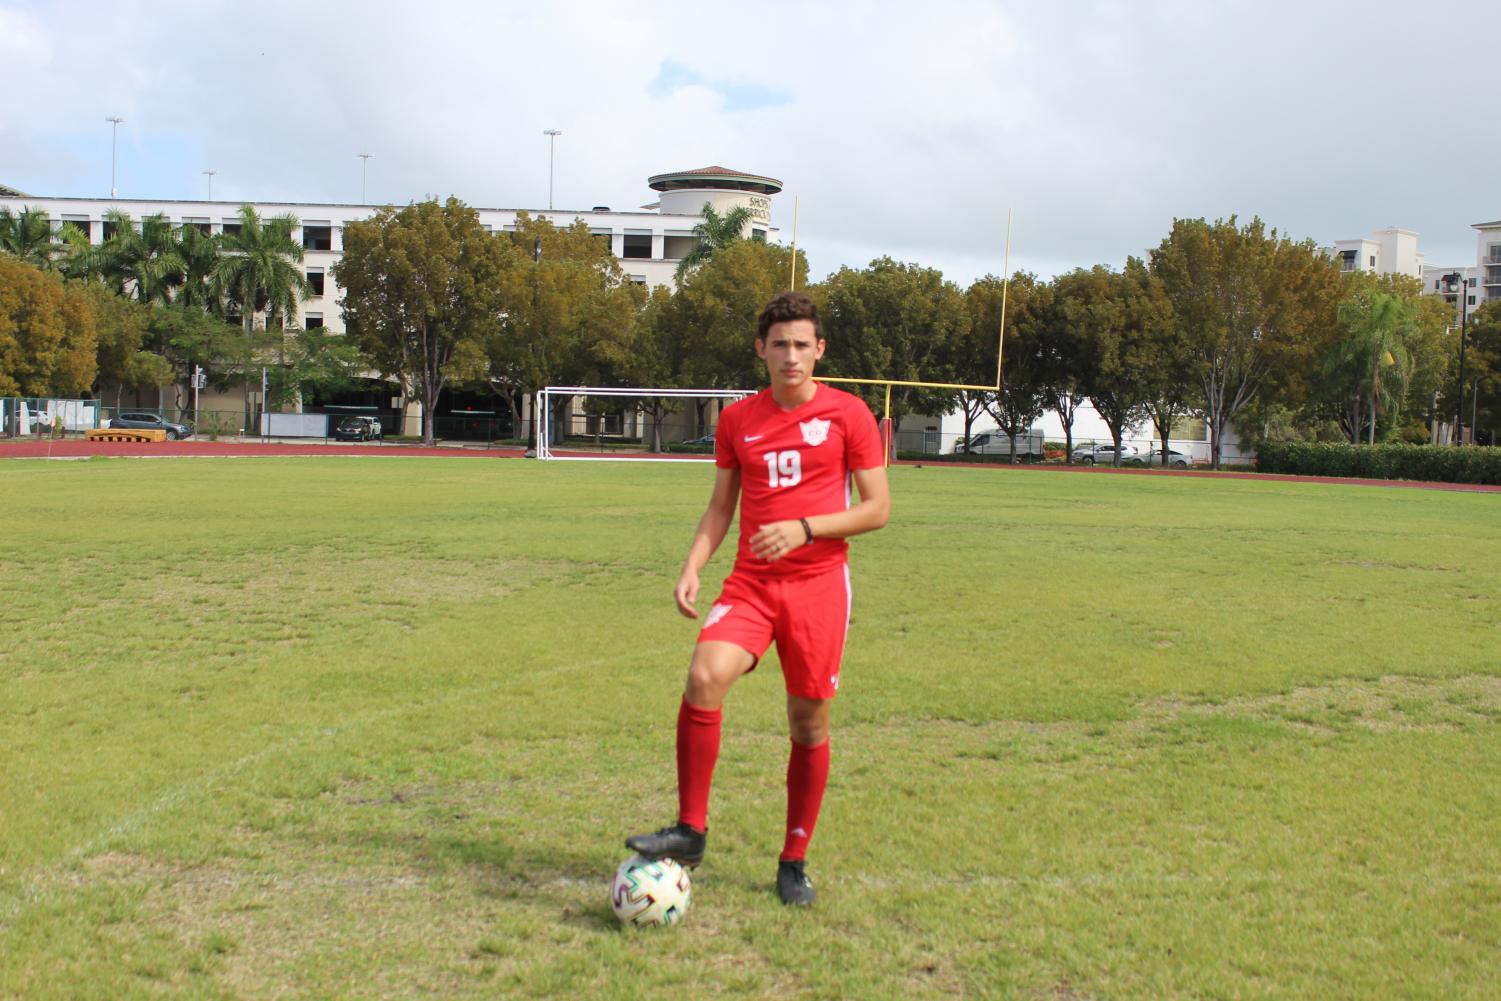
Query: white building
point(650, 242)
point(1488, 260)
point(1385, 252)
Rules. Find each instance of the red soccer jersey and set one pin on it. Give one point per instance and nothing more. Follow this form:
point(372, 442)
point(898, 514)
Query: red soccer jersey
point(794, 464)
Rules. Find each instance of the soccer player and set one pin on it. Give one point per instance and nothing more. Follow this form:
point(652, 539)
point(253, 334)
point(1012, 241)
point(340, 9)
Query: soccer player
point(787, 456)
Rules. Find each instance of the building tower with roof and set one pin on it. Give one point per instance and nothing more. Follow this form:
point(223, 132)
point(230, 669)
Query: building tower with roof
point(686, 192)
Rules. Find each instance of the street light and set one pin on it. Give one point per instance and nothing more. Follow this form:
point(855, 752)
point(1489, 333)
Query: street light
point(364, 162)
point(114, 127)
point(210, 174)
point(552, 139)
point(1457, 278)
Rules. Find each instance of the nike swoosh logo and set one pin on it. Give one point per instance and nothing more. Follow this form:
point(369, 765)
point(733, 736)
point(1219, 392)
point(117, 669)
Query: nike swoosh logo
point(754, 437)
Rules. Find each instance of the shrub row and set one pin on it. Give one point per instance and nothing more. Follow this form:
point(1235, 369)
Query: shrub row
point(1432, 463)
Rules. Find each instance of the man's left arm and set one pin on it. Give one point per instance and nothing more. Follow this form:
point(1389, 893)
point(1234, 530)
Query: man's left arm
point(872, 512)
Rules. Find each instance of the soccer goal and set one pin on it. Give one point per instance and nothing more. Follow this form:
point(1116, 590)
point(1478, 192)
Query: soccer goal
point(654, 405)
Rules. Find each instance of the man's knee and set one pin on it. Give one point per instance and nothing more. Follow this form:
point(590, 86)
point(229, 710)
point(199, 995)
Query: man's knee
point(808, 721)
point(714, 668)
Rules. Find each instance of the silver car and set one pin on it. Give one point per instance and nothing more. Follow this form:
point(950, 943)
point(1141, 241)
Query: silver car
point(1104, 455)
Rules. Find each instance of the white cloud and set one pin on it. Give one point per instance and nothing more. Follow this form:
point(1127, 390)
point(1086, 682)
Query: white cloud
point(903, 129)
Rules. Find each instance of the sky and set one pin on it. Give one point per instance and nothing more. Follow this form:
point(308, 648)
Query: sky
point(903, 130)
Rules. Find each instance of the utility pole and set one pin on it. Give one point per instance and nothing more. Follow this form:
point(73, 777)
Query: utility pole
point(364, 162)
point(210, 174)
point(1458, 278)
point(114, 127)
point(552, 138)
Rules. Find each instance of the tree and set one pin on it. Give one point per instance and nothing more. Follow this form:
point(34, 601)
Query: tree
point(1483, 369)
point(259, 271)
point(27, 235)
point(140, 262)
point(1063, 358)
point(1369, 366)
point(422, 286)
point(316, 363)
point(48, 343)
point(565, 305)
point(893, 321)
point(121, 326)
point(1022, 397)
point(1116, 317)
point(715, 233)
point(1253, 304)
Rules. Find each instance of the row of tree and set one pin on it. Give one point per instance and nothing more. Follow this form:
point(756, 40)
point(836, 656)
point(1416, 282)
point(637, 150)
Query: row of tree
point(1225, 322)
point(160, 302)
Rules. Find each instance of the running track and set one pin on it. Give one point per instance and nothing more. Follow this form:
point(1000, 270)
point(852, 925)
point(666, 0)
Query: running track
point(73, 448)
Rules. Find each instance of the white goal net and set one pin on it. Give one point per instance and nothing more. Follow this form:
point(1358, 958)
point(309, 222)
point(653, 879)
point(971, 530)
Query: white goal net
point(626, 424)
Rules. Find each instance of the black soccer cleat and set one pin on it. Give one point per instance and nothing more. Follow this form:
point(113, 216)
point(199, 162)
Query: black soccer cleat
point(793, 884)
point(678, 842)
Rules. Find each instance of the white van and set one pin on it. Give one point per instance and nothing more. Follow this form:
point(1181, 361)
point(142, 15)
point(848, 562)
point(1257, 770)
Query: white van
point(1029, 445)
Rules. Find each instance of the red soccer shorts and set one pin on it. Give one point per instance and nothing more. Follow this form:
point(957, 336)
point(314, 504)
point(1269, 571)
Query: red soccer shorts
point(808, 618)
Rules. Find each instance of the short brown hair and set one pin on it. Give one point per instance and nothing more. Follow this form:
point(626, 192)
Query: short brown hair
point(785, 307)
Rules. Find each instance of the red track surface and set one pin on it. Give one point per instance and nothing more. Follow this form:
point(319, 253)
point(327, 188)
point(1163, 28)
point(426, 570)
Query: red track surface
point(71, 448)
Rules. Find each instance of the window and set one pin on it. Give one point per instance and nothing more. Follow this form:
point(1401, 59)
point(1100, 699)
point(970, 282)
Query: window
point(315, 281)
point(1347, 260)
point(317, 236)
point(759, 235)
point(637, 246)
point(1472, 300)
point(312, 321)
point(81, 224)
point(1373, 260)
point(109, 229)
point(638, 280)
point(231, 229)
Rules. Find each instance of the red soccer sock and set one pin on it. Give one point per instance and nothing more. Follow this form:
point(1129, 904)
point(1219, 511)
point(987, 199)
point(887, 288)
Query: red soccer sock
point(698, 750)
point(807, 775)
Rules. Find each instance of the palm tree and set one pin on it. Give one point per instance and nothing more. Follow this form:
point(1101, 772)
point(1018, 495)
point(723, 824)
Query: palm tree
point(259, 271)
point(199, 254)
point(1374, 352)
point(28, 235)
point(714, 233)
point(143, 262)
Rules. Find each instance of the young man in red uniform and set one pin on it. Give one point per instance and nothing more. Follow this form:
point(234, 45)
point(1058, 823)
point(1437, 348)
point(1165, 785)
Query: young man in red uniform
point(787, 455)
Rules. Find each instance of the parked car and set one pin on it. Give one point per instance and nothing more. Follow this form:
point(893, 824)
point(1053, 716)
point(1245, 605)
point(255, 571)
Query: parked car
point(1029, 445)
point(706, 440)
point(1175, 458)
point(1104, 455)
point(358, 429)
point(152, 422)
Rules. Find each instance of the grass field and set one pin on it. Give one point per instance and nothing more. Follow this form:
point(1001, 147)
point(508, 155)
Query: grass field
point(312, 728)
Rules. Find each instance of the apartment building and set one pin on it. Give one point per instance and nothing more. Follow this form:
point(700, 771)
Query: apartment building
point(1384, 252)
point(649, 241)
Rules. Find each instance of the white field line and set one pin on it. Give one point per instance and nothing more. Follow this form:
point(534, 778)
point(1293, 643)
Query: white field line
point(44, 880)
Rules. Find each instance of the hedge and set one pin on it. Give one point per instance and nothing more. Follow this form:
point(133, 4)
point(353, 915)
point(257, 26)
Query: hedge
point(1432, 463)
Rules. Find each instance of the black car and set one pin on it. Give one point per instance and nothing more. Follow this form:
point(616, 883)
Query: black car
point(358, 429)
point(152, 422)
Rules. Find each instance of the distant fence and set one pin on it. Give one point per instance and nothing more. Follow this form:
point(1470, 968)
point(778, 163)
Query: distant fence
point(995, 446)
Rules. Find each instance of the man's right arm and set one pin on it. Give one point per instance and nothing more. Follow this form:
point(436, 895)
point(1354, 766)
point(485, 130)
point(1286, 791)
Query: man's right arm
point(710, 533)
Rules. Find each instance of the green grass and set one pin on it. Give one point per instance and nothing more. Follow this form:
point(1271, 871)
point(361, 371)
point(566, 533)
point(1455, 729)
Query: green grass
point(375, 727)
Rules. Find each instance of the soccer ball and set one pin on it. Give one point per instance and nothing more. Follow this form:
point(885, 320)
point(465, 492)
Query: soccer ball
point(647, 892)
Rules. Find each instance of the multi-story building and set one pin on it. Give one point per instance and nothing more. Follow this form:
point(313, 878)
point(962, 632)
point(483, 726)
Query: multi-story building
point(649, 242)
point(1384, 252)
point(1488, 261)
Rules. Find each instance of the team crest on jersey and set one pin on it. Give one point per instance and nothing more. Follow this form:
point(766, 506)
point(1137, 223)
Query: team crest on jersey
point(815, 432)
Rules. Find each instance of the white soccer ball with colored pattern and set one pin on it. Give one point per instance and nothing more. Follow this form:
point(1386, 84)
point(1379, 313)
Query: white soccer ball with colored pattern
point(650, 893)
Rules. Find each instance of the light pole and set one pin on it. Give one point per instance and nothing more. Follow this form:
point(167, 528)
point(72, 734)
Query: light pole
point(210, 175)
point(552, 139)
point(1452, 279)
point(114, 127)
point(364, 162)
